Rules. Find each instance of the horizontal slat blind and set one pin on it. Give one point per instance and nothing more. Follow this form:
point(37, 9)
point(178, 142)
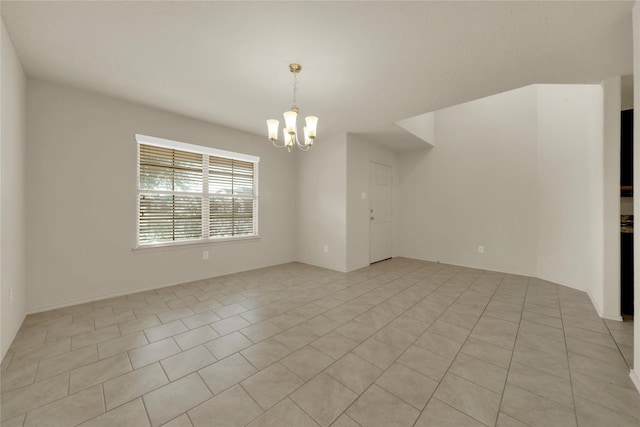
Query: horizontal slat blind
point(231, 216)
point(232, 205)
point(172, 202)
point(171, 170)
point(169, 217)
point(229, 176)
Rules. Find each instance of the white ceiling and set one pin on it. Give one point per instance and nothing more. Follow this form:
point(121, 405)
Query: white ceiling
point(365, 64)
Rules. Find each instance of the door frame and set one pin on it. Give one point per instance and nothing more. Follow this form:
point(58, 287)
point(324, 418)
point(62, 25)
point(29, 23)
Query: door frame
point(391, 208)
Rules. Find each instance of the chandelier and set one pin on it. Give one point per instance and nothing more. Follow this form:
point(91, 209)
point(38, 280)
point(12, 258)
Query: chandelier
point(290, 130)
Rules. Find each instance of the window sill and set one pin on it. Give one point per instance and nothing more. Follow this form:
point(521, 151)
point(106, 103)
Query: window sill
point(185, 245)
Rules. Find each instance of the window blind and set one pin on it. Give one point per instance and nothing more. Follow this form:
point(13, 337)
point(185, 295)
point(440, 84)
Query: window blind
point(231, 206)
point(186, 195)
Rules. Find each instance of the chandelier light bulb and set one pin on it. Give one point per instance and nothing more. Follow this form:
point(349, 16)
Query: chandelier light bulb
point(290, 121)
point(307, 140)
point(272, 126)
point(312, 124)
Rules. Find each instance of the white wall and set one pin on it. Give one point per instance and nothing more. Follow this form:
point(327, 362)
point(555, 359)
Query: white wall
point(12, 202)
point(569, 190)
point(422, 126)
point(360, 153)
point(612, 94)
point(475, 187)
point(626, 98)
point(81, 199)
point(322, 204)
point(331, 180)
point(520, 173)
point(636, 183)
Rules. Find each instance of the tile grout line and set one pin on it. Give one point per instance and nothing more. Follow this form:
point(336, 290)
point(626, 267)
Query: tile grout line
point(506, 380)
point(264, 411)
point(456, 409)
point(144, 405)
point(162, 366)
point(617, 345)
point(573, 394)
point(104, 397)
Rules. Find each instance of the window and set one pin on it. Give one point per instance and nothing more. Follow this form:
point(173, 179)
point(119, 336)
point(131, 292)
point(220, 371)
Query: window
point(188, 193)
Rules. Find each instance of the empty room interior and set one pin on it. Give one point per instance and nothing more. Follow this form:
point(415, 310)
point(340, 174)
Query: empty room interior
point(319, 213)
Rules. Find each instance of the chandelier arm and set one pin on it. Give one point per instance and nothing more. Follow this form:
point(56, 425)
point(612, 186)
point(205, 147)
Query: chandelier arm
point(303, 147)
point(276, 145)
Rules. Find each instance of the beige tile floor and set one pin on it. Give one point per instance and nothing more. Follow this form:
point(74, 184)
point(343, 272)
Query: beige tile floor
point(400, 343)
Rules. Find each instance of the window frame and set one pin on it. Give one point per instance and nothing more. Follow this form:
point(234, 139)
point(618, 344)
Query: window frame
point(204, 194)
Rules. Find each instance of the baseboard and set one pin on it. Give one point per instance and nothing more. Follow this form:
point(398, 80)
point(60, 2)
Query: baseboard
point(102, 297)
point(602, 315)
point(137, 290)
point(593, 303)
point(13, 337)
point(588, 292)
point(635, 379)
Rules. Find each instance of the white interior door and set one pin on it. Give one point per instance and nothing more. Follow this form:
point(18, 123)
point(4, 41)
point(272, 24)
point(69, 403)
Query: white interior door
point(381, 215)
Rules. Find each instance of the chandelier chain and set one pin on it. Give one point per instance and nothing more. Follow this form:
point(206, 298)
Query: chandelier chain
point(295, 88)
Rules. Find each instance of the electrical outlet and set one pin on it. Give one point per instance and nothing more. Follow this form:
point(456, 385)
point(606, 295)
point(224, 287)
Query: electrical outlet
point(205, 254)
point(480, 249)
point(326, 249)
